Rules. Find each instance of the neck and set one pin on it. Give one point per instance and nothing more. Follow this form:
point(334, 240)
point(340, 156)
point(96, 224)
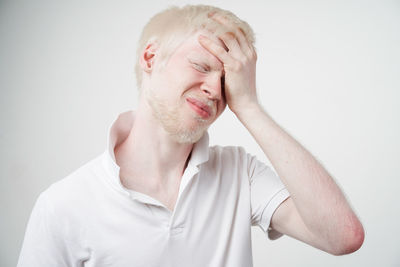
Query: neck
point(150, 156)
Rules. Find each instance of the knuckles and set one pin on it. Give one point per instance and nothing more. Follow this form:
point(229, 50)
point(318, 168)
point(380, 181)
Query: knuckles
point(242, 63)
point(219, 49)
point(236, 66)
point(228, 36)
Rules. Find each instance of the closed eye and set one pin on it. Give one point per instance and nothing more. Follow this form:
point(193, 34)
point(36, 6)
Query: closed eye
point(200, 67)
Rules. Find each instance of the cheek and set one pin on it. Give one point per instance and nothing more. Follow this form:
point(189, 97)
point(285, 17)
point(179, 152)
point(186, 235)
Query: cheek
point(183, 74)
point(221, 107)
point(194, 74)
point(190, 78)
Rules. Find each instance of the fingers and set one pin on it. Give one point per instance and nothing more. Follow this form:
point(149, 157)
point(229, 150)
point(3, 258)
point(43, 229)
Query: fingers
point(235, 38)
point(230, 63)
point(214, 48)
point(235, 52)
point(231, 42)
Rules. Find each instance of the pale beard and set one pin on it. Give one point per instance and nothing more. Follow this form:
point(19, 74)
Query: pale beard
point(172, 121)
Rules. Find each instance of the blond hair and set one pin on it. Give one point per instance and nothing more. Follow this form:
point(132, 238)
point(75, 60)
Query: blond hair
point(172, 26)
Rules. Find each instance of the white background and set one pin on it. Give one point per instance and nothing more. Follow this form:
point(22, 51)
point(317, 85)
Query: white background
point(328, 72)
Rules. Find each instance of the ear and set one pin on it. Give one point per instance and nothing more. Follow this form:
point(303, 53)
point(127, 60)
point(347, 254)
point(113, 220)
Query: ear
point(148, 56)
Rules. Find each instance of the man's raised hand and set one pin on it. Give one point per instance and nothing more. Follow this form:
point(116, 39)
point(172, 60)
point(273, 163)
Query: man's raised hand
point(239, 61)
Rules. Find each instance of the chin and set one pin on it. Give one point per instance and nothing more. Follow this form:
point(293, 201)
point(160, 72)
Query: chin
point(188, 136)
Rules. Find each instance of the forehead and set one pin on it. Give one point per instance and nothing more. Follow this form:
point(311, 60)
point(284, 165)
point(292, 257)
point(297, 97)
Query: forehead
point(191, 48)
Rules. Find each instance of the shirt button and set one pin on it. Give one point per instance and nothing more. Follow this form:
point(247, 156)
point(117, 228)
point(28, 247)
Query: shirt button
point(176, 230)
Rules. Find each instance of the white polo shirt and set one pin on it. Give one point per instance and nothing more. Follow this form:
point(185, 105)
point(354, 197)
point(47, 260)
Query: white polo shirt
point(90, 219)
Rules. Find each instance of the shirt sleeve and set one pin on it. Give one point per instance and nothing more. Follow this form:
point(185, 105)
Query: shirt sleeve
point(267, 193)
point(46, 243)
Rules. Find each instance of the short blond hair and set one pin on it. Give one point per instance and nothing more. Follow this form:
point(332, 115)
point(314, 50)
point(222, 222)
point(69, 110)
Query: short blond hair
point(171, 27)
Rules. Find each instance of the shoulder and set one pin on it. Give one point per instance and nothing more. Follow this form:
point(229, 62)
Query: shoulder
point(227, 153)
point(230, 160)
point(234, 156)
point(75, 189)
point(60, 220)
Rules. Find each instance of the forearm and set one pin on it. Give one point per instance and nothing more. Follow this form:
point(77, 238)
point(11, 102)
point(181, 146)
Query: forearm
point(318, 200)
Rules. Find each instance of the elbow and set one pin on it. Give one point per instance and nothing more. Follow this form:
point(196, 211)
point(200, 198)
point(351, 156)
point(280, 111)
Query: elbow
point(352, 240)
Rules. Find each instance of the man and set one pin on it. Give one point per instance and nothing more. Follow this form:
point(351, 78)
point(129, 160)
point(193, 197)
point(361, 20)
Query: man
point(160, 196)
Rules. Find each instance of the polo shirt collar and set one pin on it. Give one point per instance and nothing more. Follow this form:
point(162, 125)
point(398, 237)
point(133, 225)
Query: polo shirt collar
point(119, 131)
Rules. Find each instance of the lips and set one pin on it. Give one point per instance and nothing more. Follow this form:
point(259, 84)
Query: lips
point(202, 109)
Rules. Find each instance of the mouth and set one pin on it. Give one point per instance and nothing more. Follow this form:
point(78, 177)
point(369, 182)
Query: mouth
point(204, 110)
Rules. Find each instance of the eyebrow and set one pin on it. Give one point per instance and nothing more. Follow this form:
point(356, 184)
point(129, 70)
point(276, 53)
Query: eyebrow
point(202, 60)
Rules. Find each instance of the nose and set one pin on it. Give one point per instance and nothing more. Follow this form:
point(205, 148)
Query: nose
point(212, 86)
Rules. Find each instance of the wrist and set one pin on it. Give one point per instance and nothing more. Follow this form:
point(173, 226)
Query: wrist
point(248, 111)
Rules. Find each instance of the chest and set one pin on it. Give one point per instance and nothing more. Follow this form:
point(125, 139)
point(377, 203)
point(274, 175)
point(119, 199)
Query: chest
point(166, 193)
point(209, 226)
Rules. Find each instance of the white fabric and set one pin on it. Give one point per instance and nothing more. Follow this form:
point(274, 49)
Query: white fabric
point(90, 219)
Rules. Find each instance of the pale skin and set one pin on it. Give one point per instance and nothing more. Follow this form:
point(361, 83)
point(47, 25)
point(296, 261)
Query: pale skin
point(150, 160)
point(316, 212)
